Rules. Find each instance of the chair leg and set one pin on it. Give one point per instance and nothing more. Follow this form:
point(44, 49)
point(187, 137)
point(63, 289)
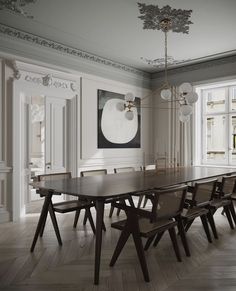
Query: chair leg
point(148, 242)
point(90, 218)
point(120, 245)
point(206, 228)
point(188, 224)
point(85, 218)
point(43, 226)
point(212, 224)
point(122, 201)
point(183, 236)
point(140, 251)
point(54, 222)
point(175, 243)
point(77, 213)
point(131, 202)
point(158, 238)
point(228, 215)
point(232, 211)
point(140, 201)
point(145, 202)
point(111, 211)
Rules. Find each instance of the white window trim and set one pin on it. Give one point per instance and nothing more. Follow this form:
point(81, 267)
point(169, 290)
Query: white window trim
point(198, 122)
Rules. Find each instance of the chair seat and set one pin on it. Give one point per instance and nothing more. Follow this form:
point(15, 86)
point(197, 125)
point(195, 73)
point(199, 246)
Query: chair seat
point(147, 228)
point(217, 203)
point(72, 205)
point(233, 196)
point(193, 212)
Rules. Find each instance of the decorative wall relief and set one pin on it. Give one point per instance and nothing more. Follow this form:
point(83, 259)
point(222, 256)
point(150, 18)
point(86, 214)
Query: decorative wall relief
point(114, 129)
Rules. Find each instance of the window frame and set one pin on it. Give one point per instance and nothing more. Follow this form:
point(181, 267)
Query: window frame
point(200, 124)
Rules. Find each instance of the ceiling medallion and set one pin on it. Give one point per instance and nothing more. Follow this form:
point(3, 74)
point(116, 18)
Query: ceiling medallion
point(160, 62)
point(152, 17)
point(167, 19)
point(16, 6)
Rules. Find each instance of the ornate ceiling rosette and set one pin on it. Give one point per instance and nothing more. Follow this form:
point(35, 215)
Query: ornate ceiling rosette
point(152, 17)
point(160, 62)
point(16, 6)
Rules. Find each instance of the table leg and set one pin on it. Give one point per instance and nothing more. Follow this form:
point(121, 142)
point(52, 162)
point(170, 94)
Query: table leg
point(98, 237)
point(43, 216)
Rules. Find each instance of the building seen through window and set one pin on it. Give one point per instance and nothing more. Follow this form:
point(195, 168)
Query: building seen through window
point(218, 127)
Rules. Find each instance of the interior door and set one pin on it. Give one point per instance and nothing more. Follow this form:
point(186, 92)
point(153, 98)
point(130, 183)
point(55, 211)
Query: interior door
point(55, 135)
point(25, 103)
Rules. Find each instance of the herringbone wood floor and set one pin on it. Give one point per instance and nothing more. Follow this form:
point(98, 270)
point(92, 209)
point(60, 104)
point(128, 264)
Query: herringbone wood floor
point(211, 266)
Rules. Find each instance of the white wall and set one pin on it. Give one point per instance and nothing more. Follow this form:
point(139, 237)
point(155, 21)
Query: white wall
point(83, 118)
point(90, 156)
point(5, 142)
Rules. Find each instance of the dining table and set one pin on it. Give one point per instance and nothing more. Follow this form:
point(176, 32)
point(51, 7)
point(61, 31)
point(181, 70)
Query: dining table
point(102, 189)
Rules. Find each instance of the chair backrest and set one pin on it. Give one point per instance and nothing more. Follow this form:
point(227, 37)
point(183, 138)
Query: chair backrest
point(228, 185)
point(169, 202)
point(54, 176)
point(204, 191)
point(93, 172)
point(124, 170)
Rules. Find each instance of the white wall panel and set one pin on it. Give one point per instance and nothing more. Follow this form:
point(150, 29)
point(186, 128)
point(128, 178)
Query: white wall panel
point(90, 155)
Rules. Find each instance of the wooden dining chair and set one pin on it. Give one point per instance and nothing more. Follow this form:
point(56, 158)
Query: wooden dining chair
point(150, 167)
point(89, 173)
point(198, 205)
point(64, 206)
point(223, 198)
point(118, 171)
point(166, 205)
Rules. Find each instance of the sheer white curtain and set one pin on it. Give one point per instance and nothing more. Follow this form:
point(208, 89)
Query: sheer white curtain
point(182, 134)
point(173, 137)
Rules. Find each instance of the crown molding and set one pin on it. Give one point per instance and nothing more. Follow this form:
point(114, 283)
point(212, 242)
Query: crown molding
point(197, 66)
point(61, 48)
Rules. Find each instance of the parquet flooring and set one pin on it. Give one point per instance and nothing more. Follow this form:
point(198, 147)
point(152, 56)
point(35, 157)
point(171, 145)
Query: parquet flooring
point(71, 267)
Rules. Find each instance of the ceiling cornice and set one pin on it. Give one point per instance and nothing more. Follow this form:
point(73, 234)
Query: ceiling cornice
point(61, 48)
point(197, 66)
point(29, 38)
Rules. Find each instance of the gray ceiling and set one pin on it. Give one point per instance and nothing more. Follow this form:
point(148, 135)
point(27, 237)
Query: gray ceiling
point(112, 29)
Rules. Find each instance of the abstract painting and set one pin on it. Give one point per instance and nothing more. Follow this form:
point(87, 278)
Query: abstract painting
point(114, 129)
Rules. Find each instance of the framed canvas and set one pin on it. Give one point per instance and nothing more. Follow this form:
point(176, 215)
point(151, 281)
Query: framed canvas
point(114, 129)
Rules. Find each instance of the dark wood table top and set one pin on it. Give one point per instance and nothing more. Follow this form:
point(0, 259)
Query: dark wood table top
point(111, 185)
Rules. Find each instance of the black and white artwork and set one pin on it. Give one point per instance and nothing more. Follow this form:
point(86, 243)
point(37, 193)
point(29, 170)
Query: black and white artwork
point(114, 129)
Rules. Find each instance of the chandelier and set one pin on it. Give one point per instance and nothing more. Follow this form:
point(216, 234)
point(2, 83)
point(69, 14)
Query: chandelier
point(16, 6)
point(167, 19)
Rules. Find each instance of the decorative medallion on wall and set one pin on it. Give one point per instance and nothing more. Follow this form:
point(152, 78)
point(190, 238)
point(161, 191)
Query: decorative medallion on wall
point(16, 6)
point(114, 129)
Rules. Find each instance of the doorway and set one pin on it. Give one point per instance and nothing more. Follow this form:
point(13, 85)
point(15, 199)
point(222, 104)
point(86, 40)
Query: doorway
point(43, 132)
point(47, 149)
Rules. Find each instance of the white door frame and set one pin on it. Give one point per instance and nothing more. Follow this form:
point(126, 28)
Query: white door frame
point(31, 83)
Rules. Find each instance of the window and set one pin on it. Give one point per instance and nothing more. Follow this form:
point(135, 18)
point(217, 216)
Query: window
point(217, 124)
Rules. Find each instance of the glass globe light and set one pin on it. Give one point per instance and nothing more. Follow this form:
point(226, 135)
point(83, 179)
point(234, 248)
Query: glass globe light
point(120, 106)
point(184, 118)
point(129, 115)
point(186, 110)
point(129, 97)
point(185, 88)
point(191, 97)
point(166, 94)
